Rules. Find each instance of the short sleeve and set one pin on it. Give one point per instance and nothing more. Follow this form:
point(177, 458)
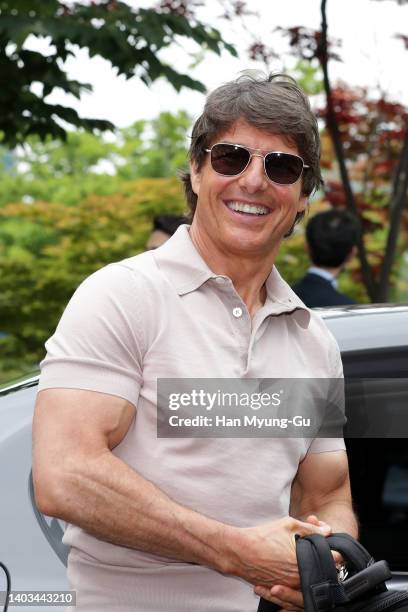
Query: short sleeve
point(99, 342)
point(335, 371)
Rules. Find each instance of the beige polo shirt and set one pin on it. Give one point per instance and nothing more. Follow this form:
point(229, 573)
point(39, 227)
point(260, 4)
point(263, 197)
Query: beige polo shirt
point(165, 314)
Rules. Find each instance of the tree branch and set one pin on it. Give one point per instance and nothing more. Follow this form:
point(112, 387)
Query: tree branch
point(397, 205)
point(334, 131)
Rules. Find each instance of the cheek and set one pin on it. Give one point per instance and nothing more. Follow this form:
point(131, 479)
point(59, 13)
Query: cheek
point(213, 188)
point(292, 201)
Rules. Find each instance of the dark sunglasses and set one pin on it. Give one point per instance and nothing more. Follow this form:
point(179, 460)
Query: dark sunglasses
point(233, 159)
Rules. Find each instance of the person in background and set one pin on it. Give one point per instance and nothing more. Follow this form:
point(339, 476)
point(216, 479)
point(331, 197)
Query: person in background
point(331, 241)
point(164, 227)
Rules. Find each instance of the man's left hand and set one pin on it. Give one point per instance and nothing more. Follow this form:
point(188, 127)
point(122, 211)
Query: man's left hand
point(290, 600)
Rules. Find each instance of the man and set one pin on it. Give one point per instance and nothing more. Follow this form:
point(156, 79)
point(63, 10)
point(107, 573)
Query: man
point(164, 227)
point(195, 523)
point(331, 240)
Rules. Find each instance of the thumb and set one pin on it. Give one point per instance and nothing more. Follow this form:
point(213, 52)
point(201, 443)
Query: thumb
point(313, 519)
point(309, 528)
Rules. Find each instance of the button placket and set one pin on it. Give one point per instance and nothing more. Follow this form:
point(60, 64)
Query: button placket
point(240, 319)
point(259, 325)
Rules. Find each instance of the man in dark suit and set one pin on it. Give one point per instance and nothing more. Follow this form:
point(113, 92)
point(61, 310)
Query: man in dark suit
point(331, 238)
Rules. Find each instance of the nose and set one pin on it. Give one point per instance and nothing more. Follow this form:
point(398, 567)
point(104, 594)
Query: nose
point(254, 179)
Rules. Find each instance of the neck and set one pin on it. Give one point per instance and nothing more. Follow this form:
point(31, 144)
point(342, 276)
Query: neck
point(248, 272)
point(333, 271)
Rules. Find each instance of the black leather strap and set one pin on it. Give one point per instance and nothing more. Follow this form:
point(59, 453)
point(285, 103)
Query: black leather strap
point(353, 552)
point(325, 558)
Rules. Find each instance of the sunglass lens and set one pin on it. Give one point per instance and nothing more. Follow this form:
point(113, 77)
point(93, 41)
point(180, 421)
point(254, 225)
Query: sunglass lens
point(228, 159)
point(283, 168)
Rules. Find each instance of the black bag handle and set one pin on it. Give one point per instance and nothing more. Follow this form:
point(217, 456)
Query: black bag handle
point(310, 550)
point(318, 575)
point(305, 554)
point(352, 551)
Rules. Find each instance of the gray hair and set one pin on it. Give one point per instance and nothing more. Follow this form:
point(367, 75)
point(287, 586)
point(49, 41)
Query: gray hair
point(274, 103)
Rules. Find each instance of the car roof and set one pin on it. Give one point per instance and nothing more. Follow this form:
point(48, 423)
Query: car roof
point(23, 383)
point(368, 326)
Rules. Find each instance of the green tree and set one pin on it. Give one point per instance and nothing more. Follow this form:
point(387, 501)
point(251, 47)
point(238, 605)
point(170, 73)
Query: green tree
point(59, 171)
point(48, 248)
point(377, 279)
point(130, 39)
point(155, 148)
point(87, 164)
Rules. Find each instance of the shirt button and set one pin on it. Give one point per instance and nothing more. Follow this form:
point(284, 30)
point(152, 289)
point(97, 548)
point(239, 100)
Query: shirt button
point(220, 280)
point(237, 312)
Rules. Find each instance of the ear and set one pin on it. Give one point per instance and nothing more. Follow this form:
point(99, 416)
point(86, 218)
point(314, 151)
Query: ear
point(352, 254)
point(303, 203)
point(195, 178)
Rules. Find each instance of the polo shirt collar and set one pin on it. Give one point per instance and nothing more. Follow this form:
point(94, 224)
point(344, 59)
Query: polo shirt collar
point(180, 261)
point(282, 300)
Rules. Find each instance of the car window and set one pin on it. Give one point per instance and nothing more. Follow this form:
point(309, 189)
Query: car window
point(379, 466)
point(386, 363)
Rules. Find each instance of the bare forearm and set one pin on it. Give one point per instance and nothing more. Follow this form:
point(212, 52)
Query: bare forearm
point(338, 514)
point(113, 502)
point(108, 499)
point(322, 488)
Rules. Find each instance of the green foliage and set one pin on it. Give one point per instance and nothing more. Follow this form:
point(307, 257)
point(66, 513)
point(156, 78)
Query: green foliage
point(130, 39)
point(372, 131)
point(309, 77)
point(47, 249)
point(155, 148)
point(75, 219)
point(69, 171)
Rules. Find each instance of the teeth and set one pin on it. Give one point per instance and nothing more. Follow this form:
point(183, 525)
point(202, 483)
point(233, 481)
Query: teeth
point(247, 208)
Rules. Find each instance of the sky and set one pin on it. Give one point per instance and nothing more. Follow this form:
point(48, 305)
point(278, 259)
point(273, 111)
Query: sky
point(371, 55)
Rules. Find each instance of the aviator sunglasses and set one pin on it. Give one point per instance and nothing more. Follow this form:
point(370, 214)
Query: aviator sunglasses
point(232, 159)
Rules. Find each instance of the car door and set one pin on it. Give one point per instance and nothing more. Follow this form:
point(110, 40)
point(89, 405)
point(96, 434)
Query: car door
point(379, 466)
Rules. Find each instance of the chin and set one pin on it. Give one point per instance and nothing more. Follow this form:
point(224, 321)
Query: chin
point(249, 246)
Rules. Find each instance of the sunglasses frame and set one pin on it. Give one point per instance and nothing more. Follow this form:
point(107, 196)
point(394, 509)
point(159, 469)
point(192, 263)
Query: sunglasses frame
point(256, 153)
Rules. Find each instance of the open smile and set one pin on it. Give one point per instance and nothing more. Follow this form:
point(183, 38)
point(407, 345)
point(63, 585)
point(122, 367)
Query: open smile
point(248, 209)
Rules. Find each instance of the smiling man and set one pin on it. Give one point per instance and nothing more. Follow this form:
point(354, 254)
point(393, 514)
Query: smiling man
point(201, 523)
point(246, 215)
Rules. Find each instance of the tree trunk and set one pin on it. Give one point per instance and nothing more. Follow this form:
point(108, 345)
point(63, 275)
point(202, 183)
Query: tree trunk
point(397, 205)
point(334, 131)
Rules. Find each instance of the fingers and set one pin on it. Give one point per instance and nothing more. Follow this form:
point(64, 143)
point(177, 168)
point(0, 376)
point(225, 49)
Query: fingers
point(314, 520)
point(283, 596)
point(309, 527)
point(338, 559)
